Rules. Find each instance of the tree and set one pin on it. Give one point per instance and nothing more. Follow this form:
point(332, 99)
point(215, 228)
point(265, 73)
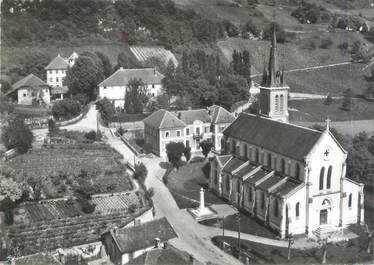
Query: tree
point(206, 146)
point(9, 189)
point(328, 101)
point(36, 184)
point(174, 152)
point(187, 153)
point(127, 61)
point(107, 66)
point(106, 110)
point(34, 63)
point(140, 173)
point(155, 62)
point(66, 109)
point(17, 135)
point(168, 79)
point(84, 77)
point(281, 34)
point(52, 127)
point(136, 96)
point(5, 86)
point(347, 100)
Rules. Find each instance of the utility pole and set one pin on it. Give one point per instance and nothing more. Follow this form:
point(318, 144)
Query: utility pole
point(223, 231)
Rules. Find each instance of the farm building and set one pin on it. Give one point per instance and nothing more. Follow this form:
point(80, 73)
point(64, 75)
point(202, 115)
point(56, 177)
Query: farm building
point(290, 177)
point(30, 90)
point(115, 86)
point(125, 244)
point(188, 126)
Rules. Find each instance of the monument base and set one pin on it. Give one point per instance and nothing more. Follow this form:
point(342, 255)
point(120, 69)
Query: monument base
point(201, 214)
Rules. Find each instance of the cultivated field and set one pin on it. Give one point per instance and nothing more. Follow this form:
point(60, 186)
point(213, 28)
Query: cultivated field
point(142, 53)
point(58, 169)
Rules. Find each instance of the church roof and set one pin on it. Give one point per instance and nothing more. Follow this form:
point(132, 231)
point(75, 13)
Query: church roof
point(223, 159)
point(122, 77)
point(189, 116)
point(221, 115)
point(31, 81)
point(232, 165)
point(163, 119)
point(143, 235)
point(285, 139)
point(245, 170)
point(57, 63)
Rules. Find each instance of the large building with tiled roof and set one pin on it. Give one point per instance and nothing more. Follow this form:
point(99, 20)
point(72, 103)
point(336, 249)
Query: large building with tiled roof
point(290, 177)
point(187, 126)
point(30, 90)
point(56, 74)
point(115, 86)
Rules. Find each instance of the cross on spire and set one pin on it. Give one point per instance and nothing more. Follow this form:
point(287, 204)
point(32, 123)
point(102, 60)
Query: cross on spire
point(328, 121)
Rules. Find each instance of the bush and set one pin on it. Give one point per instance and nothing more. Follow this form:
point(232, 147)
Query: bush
point(17, 135)
point(343, 46)
point(174, 152)
point(106, 110)
point(326, 43)
point(307, 13)
point(66, 109)
point(120, 130)
point(140, 173)
point(91, 135)
point(86, 205)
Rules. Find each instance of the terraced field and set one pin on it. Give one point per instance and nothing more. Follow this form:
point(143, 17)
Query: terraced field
point(142, 53)
point(58, 168)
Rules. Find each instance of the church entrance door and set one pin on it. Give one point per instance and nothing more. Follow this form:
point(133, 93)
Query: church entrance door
point(323, 215)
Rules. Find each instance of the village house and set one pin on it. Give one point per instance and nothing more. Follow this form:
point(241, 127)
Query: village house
point(115, 86)
point(56, 74)
point(290, 177)
point(30, 90)
point(187, 126)
point(126, 244)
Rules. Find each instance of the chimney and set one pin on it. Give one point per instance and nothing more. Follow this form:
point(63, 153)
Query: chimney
point(157, 242)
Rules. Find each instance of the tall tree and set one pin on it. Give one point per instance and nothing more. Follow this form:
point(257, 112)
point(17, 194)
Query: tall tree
point(84, 77)
point(16, 134)
point(107, 66)
point(347, 100)
point(136, 96)
point(127, 61)
point(174, 152)
point(34, 63)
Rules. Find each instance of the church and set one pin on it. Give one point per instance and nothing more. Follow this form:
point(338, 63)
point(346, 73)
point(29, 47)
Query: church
point(291, 178)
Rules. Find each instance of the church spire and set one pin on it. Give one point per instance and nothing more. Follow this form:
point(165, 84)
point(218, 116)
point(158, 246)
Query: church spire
point(273, 60)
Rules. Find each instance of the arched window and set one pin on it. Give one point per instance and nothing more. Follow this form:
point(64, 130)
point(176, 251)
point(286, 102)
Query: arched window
point(233, 147)
point(297, 171)
point(262, 200)
point(215, 178)
point(227, 183)
point(350, 200)
point(321, 178)
point(276, 208)
point(329, 172)
point(257, 156)
point(283, 166)
point(238, 186)
point(269, 160)
point(250, 154)
point(281, 103)
point(276, 103)
point(297, 209)
point(246, 151)
point(250, 194)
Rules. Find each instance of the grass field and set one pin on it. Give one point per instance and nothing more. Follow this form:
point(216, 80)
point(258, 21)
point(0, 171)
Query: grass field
point(58, 169)
point(186, 183)
point(315, 110)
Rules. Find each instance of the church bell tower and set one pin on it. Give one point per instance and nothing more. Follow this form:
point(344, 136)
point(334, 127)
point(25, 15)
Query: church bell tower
point(273, 90)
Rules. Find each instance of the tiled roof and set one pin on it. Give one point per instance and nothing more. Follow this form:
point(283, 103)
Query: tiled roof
point(257, 176)
point(122, 77)
point(163, 119)
point(245, 170)
point(232, 165)
point(288, 187)
point(36, 259)
point(160, 256)
point(189, 116)
point(31, 81)
point(57, 63)
point(221, 115)
point(60, 90)
point(286, 139)
point(270, 182)
point(142, 236)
